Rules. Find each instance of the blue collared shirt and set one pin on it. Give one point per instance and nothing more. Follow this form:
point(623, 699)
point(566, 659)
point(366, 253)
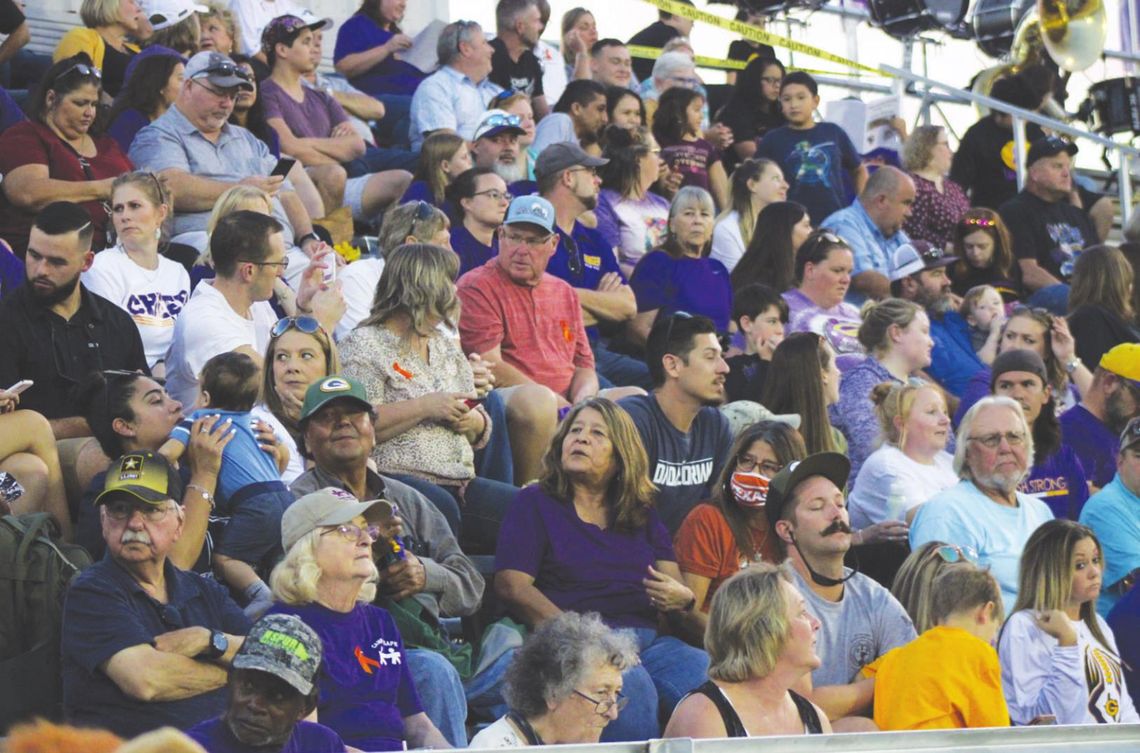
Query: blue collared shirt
point(449, 99)
point(873, 250)
point(173, 142)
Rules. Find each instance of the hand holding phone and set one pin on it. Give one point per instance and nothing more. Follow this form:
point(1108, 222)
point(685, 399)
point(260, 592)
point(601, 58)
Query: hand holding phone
point(19, 386)
point(284, 165)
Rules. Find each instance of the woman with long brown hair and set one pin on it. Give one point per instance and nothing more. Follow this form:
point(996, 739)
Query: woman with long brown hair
point(984, 249)
point(1100, 303)
point(804, 379)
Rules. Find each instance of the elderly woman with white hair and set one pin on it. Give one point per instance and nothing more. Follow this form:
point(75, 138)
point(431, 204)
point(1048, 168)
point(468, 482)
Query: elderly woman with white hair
point(984, 511)
point(680, 275)
point(761, 644)
point(328, 579)
point(564, 684)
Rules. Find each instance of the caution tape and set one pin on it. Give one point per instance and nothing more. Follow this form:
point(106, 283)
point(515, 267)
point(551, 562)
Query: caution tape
point(703, 61)
point(756, 35)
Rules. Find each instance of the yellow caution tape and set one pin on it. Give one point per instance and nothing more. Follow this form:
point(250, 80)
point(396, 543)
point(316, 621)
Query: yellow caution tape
point(702, 61)
point(756, 35)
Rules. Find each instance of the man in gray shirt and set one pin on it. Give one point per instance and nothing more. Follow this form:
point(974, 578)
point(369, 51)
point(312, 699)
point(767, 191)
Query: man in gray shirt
point(686, 437)
point(338, 435)
point(202, 155)
point(859, 619)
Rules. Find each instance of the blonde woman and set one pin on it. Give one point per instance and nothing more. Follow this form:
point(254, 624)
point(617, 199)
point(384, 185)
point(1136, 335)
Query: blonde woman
point(428, 420)
point(443, 157)
point(107, 24)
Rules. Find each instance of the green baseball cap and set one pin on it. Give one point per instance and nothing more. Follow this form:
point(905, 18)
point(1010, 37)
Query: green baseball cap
point(144, 476)
point(336, 387)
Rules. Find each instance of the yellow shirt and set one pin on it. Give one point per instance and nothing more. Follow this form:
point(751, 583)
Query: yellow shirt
point(946, 678)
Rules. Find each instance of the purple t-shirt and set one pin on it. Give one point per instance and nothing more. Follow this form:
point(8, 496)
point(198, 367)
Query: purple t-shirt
point(215, 736)
point(390, 76)
point(579, 566)
point(838, 324)
point(1093, 443)
point(692, 159)
point(366, 689)
point(1059, 482)
point(698, 286)
point(472, 253)
point(312, 119)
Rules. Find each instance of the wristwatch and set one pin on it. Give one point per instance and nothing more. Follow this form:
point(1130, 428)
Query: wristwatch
point(310, 236)
point(218, 646)
point(1072, 365)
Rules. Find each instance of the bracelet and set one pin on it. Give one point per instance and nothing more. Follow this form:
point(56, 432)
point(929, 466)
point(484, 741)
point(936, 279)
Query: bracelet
point(204, 492)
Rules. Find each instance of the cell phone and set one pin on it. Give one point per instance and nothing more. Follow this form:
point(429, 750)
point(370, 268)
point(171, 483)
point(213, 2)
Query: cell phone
point(330, 269)
point(284, 165)
point(1043, 719)
point(20, 386)
point(472, 402)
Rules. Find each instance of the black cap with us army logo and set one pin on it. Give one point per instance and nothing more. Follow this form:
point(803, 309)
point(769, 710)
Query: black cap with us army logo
point(143, 476)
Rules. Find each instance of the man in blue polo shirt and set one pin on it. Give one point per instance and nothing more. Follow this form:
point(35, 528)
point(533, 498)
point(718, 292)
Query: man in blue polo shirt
point(1114, 515)
point(145, 644)
point(568, 179)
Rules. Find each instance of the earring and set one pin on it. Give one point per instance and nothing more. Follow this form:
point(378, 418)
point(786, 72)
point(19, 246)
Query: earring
point(158, 233)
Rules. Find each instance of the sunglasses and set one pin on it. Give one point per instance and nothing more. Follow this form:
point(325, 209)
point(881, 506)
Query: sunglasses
point(573, 257)
point(951, 554)
point(495, 121)
point(223, 69)
point(673, 319)
point(304, 324)
point(87, 71)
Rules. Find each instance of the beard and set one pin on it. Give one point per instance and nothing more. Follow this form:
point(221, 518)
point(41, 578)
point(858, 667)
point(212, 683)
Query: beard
point(1116, 415)
point(511, 172)
point(58, 293)
point(1005, 483)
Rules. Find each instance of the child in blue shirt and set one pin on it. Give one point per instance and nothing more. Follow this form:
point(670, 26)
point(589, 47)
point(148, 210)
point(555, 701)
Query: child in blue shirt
point(250, 491)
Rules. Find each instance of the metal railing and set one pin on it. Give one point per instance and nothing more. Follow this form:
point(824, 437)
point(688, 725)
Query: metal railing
point(1020, 117)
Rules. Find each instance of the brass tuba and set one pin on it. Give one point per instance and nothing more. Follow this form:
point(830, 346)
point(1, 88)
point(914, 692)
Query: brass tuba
point(1071, 32)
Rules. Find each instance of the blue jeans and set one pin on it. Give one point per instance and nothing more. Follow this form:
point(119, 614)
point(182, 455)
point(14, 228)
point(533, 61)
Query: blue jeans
point(446, 698)
point(474, 521)
point(618, 370)
point(393, 127)
point(669, 669)
point(495, 461)
point(438, 496)
point(1054, 298)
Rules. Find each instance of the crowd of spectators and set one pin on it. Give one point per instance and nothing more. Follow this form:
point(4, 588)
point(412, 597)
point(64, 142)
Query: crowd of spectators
point(633, 419)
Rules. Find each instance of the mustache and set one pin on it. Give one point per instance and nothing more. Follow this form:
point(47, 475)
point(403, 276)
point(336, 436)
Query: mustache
point(141, 537)
point(837, 526)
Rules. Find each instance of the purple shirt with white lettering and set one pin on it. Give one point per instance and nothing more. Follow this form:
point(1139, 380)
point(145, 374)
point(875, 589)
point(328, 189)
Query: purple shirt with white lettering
point(1059, 482)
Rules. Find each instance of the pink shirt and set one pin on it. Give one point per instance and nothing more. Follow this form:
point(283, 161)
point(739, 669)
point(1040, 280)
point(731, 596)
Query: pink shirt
point(539, 329)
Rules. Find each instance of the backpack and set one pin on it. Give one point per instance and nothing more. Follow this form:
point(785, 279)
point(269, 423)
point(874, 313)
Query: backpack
point(35, 570)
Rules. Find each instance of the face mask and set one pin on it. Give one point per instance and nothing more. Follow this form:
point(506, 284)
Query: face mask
point(749, 489)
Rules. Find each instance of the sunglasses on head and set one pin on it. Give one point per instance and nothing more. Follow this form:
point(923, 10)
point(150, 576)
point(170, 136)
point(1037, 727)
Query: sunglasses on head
point(87, 71)
point(223, 69)
point(304, 324)
point(951, 554)
point(497, 120)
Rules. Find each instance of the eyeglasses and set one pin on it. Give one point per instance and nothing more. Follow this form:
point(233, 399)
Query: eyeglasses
point(673, 318)
point(573, 257)
point(494, 194)
point(685, 81)
point(121, 509)
point(222, 69)
point(87, 71)
point(529, 241)
point(603, 707)
point(305, 324)
point(951, 553)
point(284, 263)
point(993, 441)
point(497, 120)
point(351, 532)
point(424, 212)
point(766, 467)
point(231, 94)
point(771, 80)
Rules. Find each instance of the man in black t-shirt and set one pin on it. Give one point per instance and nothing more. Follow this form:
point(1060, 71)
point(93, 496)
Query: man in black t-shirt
point(1048, 231)
point(656, 35)
point(12, 23)
point(513, 64)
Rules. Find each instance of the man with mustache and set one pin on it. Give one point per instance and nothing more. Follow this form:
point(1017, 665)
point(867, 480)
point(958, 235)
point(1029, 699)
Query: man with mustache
point(145, 644)
point(985, 511)
point(54, 331)
point(918, 273)
point(496, 146)
point(272, 688)
point(859, 619)
point(1093, 427)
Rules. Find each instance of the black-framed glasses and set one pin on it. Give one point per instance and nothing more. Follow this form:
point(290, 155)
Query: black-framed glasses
point(220, 93)
point(226, 68)
point(993, 441)
point(766, 468)
point(351, 532)
point(529, 241)
point(603, 706)
point(673, 318)
point(87, 71)
point(305, 324)
point(573, 257)
point(283, 264)
point(495, 194)
point(951, 553)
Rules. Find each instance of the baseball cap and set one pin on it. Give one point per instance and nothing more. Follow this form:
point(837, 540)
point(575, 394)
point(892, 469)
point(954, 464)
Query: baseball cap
point(285, 30)
point(1018, 360)
point(531, 210)
point(145, 476)
point(561, 155)
point(1124, 361)
point(495, 122)
point(327, 507)
point(1131, 434)
point(831, 465)
point(1047, 147)
point(154, 51)
point(163, 14)
point(917, 256)
point(336, 387)
point(284, 646)
point(743, 413)
point(218, 69)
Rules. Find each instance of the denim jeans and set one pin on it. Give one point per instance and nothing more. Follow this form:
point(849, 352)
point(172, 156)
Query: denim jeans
point(393, 127)
point(446, 699)
point(669, 669)
point(484, 504)
point(378, 159)
point(495, 461)
point(618, 370)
